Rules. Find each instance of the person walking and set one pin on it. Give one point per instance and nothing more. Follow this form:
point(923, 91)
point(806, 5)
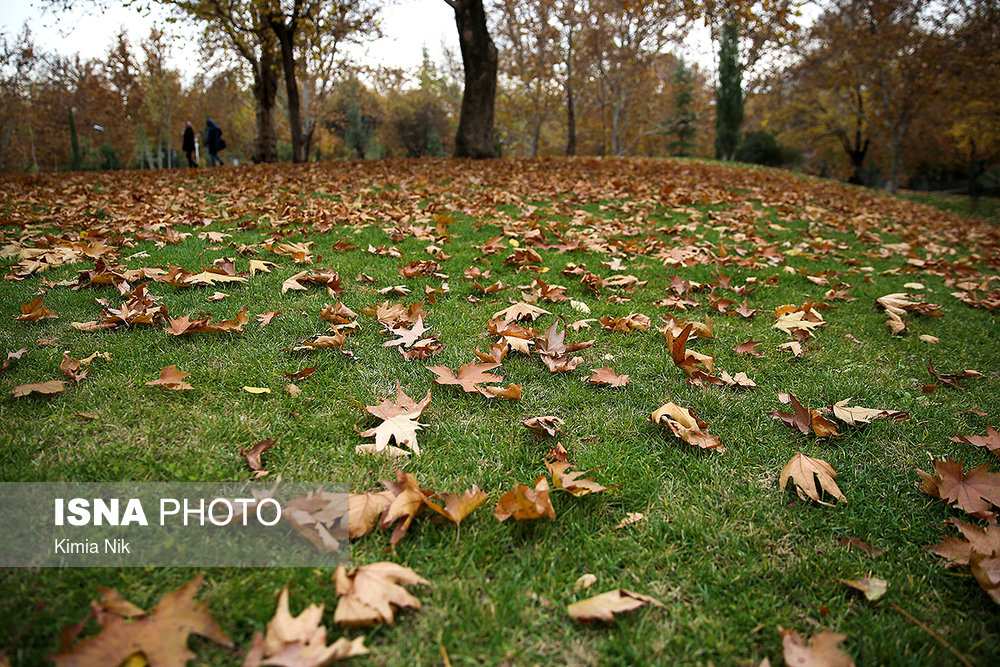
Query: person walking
point(214, 142)
point(188, 145)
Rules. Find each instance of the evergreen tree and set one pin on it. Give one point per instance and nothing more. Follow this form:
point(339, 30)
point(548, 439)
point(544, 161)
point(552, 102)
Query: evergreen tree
point(75, 159)
point(682, 123)
point(729, 94)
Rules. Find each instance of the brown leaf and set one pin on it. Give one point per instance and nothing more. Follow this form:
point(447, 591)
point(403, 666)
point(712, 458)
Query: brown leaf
point(603, 607)
point(253, 454)
point(802, 469)
point(318, 517)
point(859, 544)
point(171, 378)
point(686, 426)
point(35, 311)
point(299, 641)
point(409, 500)
point(606, 377)
point(371, 594)
point(161, 636)
point(804, 420)
point(820, 651)
point(50, 387)
point(749, 347)
point(401, 427)
point(991, 441)
point(458, 506)
point(569, 481)
point(525, 503)
point(872, 587)
point(469, 376)
point(546, 425)
point(365, 510)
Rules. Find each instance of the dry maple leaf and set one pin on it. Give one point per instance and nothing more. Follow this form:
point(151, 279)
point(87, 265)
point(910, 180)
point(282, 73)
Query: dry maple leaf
point(409, 501)
point(570, 482)
point(370, 594)
point(171, 378)
point(979, 549)
point(520, 311)
point(630, 518)
point(469, 376)
point(161, 636)
point(686, 426)
point(632, 322)
point(688, 361)
point(35, 311)
point(299, 641)
point(606, 377)
point(854, 415)
point(803, 472)
point(820, 651)
point(524, 503)
point(72, 368)
point(253, 455)
point(549, 425)
point(991, 441)
point(406, 337)
point(749, 347)
point(458, 506)
point(603, 607)
point(803, 419)
point(50, 387)
point(872, 587)
point(401, 427)
point(318, 517)
point(365, 510)
point(898, 304)
point(402, 405)
point(973, 492)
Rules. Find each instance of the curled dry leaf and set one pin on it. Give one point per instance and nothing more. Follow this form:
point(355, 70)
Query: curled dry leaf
point(563, 479)
point(897, 305)
point(458, 506)
point(50, 387)
point(603, 607)
point(991, 441)
point(365, 510)
point(254, 453)
point(35, 311)
point(974, 492)
point(525, 503)
point(371, 594)
point(161, 636)
point(686, 426)
point(978, 548)
point(318, 517)
point(547, 425)
point(803, 472)
point(872, 587)
point(171, 378)
point(804, 420)
point(822, 650)
point(606, 377)
point(299, 641)
point(630, 519)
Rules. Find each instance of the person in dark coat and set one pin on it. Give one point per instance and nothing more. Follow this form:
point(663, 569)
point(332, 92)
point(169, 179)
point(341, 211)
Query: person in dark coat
point(188, 145)
point(214, 142)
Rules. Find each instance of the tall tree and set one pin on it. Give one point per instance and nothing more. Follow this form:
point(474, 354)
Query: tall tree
point(474, 137)
point(682, 123)
point(729, 92)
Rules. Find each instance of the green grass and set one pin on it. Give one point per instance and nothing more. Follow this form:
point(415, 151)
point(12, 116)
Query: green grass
point(987, 209)
point(730, 555)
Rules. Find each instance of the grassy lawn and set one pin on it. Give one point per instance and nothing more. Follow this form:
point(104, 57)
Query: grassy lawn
point(730, 555)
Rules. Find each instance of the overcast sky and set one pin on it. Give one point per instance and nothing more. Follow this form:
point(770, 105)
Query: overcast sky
point(408, 26)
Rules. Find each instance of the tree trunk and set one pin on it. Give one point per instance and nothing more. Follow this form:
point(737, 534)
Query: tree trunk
point(536, 135)
point(570, 100)
point(265, 92)
point(479, 61)
point(286, 40)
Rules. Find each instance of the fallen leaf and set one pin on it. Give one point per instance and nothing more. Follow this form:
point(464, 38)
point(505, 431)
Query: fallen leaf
point(458, 506)
point(253, 454)
point(254, 390)
point(365, 510)
point(35, 311)
point(546, 425)
point(171, 378)
point(802, 470)
point(630, 519)
point(820, 651)
point(371, 594)
point(603, 607)
point(686, 426)
point(872, 588)
point(161, 636)
point(299, 641)
point(525, 503)
point(606, 377)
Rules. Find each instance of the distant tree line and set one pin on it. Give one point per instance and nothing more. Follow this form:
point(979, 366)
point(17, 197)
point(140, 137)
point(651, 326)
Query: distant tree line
point(872, 91)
